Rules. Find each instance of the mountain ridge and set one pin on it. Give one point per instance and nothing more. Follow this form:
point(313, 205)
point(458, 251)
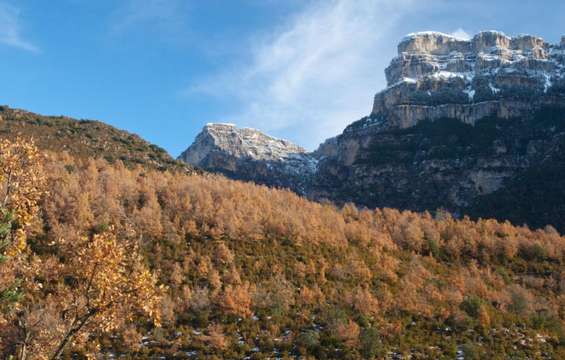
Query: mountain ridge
point(428, 144)
point(85, 139)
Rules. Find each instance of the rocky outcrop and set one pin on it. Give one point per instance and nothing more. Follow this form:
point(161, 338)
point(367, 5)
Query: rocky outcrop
point(471, 126)
point(436, 75)
point(248, 154)
point(461, 125)
point(449, 164)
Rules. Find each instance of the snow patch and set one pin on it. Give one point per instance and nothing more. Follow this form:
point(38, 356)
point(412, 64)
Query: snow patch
point(470, 93)
point(414, 35)
point(220, 124)
point(493, 89)
point(448, 75)
point(547, 83)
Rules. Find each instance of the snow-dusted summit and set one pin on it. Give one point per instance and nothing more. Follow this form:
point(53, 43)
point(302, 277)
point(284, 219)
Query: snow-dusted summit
point(240, 143)
point(437, 75)
point(249, 154)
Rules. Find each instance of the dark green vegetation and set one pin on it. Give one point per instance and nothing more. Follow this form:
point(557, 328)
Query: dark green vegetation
point(535, 196)
point(508, 169)
point(85, 139)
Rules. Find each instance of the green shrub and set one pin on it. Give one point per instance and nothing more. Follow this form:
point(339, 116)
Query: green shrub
point(472, 306)
point(371, 344)
point(533, 252)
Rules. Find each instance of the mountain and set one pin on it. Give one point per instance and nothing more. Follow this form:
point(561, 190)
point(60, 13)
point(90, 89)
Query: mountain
point(248, 154)
point(85, 139)
point(439, 76)
point(474, 126)
point(101, 260)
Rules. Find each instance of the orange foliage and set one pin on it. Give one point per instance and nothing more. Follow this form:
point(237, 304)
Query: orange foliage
point(236, 300)
point(237, 249)
point(70, 287)
point(348, 333)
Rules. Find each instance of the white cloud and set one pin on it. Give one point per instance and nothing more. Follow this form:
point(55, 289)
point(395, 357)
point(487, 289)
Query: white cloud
point(164, 14)
point(316, 73)
point(461, 34)
point(10, 29)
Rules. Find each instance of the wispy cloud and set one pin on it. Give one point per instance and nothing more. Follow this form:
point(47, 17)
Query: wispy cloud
point(11, 29)
point(317, 72)
point(461, 34)
point(163, 14)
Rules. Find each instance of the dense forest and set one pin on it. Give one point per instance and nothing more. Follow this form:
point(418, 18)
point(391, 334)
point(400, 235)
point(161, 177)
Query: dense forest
point(105, 259)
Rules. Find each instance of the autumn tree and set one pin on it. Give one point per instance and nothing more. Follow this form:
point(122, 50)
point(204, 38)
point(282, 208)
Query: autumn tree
point(348, 332)
point(60, 292)
point(236, 300)
point(100, 286)
point(21, 187)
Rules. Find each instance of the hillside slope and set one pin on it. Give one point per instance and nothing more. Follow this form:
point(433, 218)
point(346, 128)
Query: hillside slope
point(85, 139)
point(253, 272)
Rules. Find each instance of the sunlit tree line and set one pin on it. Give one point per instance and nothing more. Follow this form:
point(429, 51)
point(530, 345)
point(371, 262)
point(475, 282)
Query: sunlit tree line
point(97, 256)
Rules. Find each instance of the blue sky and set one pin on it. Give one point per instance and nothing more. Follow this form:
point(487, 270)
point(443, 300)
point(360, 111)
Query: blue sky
point(298, 69)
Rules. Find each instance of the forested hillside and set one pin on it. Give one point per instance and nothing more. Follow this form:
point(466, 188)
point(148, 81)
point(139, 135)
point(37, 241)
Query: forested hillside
point(84, 139)
point(213, 268)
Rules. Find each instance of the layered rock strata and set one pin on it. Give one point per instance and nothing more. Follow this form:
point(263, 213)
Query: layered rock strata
point(436, 75)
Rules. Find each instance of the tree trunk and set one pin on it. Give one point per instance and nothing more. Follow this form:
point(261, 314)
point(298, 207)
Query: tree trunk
point(71, 333)
point(23, 352)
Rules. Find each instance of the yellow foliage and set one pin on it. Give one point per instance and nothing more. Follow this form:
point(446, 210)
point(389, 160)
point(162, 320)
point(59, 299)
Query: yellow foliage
point(81, 286)
point(21, 186)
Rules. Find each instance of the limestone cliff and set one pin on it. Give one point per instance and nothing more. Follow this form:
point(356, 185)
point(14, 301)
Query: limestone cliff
point(437, 75)
point(463, 125)
point(472, 126)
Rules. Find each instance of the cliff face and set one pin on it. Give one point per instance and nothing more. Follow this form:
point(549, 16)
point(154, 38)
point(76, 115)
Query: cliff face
point(472, 126)
point(248, 154)
point(436, 75)
point(514, 164)
point(463, 125)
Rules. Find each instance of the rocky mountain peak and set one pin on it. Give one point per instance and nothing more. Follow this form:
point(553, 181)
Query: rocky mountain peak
point(431, 42)
point(240, 143)
point(249, 154)
point(437, 75)
point(433, 53)
point(437, 43)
